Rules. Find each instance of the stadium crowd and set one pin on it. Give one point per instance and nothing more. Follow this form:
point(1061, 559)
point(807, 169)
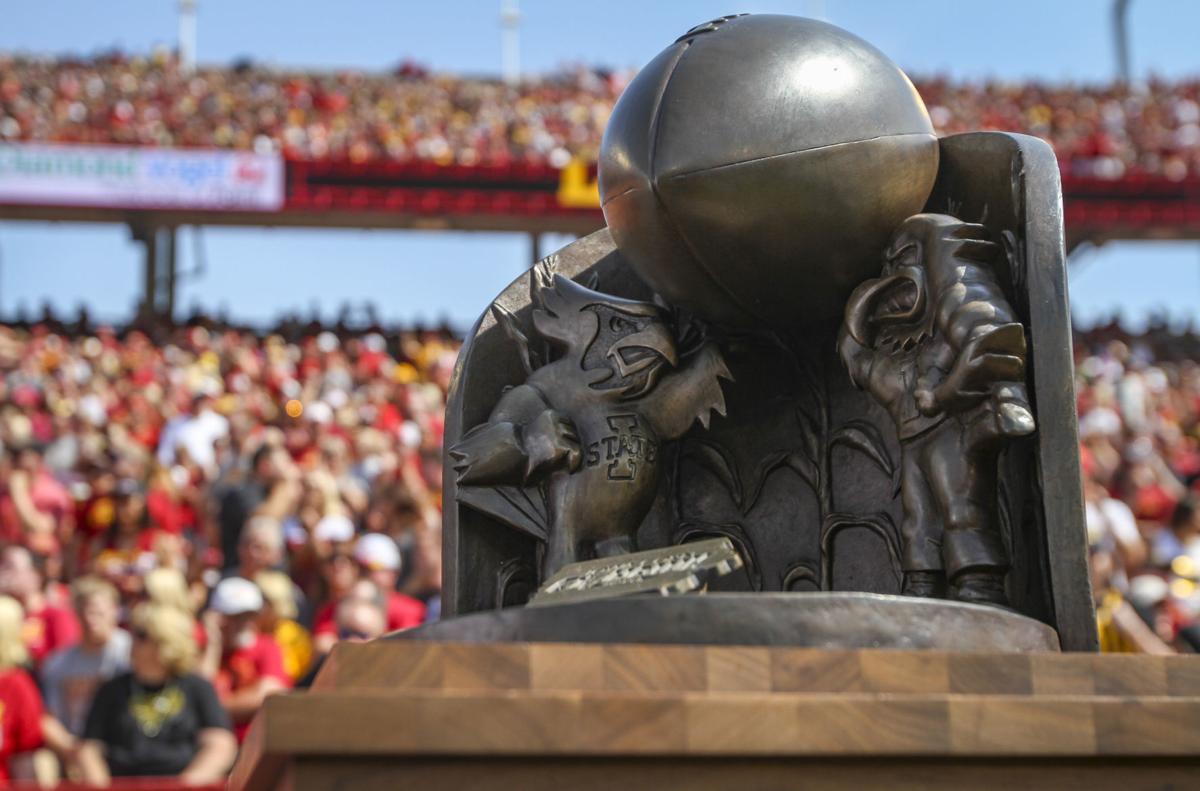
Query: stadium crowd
point(408, 115)
point(1139, 424)
point(191, 517)
point(1102, 131)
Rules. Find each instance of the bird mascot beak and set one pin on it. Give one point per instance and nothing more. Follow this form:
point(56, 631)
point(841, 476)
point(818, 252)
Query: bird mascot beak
point(647, 349)
point(894, 299)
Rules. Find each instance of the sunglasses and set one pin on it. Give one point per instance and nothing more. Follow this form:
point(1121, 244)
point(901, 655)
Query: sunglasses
point(353, 634)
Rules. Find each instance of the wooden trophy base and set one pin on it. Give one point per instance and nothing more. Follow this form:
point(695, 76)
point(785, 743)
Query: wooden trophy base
point(395, 714)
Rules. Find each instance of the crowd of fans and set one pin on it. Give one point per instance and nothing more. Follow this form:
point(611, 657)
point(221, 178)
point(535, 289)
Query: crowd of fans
point(1103, 131)
point(191, 517)
point(1139, 424)
point(408, 115)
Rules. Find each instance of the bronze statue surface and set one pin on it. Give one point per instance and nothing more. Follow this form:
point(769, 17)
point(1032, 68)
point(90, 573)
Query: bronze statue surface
point(586, 428)
point(754, 169)
point(936, 343)
point(666, 572)
point(811, 330)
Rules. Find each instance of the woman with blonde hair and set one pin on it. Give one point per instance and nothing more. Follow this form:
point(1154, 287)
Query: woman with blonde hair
point(168, 587)
point(21, 707)
point(161, 719)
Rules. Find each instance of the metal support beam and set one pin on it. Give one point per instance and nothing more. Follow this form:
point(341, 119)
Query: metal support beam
point(169, 283)
point(160, 268)
point(146, 235)
point(535, 241)
point(1120, 27)
point(510, 42)
point(187, 36)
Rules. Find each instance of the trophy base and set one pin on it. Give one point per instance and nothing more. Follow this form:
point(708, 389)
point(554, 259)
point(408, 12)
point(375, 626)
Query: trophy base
point(547, 716)
point(810, 620)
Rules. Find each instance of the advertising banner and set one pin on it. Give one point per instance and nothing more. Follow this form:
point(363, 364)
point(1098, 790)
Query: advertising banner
point(127, 177)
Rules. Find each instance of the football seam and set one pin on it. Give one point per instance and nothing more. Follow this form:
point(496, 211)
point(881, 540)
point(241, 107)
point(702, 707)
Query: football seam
point(652, 175)
point(765, 157)
point(620, 194)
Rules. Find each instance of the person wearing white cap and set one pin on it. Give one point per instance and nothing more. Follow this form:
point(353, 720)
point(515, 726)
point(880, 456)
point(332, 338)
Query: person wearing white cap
point(332, 537)
point(334, 529)
point(379, 558)
point(376, 558)
point(250, 665)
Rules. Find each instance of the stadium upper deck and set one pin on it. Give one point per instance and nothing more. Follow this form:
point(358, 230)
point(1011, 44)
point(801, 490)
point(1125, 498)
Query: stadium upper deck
point(434, 150)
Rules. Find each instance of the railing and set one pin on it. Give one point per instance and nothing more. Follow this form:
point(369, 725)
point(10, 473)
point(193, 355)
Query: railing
point(427, 188)
point(1131, 207)
point(538, 197)
point(119, 784)
point(1134, 207)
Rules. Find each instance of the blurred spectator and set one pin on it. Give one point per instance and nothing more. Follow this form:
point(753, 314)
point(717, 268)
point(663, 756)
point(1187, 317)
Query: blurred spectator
point(1139, 408)
point(1107, 131)
point(1180, 536)
point(444, 119)
point(323, 437)
point(279, 620)
point(194, 434)
point(359, 617)
point(1121, 628)
point(168, 587)
point(334, 536)
point(1111, 523)
point(48, 626)
point(123, 553)
point(260, 547)
point(379, 559)
point(20, 701)
point(35, 507)
point(72, 676)
point(160, 719)
point(241, 494)
point(251, 663)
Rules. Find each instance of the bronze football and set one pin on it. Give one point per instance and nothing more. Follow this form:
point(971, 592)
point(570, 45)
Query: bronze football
point(754, 170)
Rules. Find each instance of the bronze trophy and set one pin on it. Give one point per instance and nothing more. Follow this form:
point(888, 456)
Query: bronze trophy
point(773, 482)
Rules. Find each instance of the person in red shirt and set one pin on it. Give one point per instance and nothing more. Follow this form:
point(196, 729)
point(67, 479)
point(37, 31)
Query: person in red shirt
point(21, 707)
point(95, 515)
point(248, 664)
point(34, 507)
point(378, 567)
point(48, 627)
point(379, 558)
point(333, 541)
point(165, 507)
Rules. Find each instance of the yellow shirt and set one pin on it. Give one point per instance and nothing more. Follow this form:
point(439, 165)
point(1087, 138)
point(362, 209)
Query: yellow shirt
point(296, 645)
point(1112, 640)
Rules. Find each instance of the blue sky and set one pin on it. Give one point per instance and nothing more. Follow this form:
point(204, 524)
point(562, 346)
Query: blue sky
point(426, 275)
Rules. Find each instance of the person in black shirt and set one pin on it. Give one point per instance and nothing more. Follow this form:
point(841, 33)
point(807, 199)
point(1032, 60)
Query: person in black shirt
point(237, 499)
point(161, 719)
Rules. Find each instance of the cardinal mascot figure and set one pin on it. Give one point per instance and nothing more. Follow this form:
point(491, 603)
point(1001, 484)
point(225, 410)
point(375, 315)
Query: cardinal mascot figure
point(936, 343)
point(586, 429)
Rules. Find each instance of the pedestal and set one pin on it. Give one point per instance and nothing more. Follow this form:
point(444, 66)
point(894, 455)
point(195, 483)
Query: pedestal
point(425, 714)
point(813, 620)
